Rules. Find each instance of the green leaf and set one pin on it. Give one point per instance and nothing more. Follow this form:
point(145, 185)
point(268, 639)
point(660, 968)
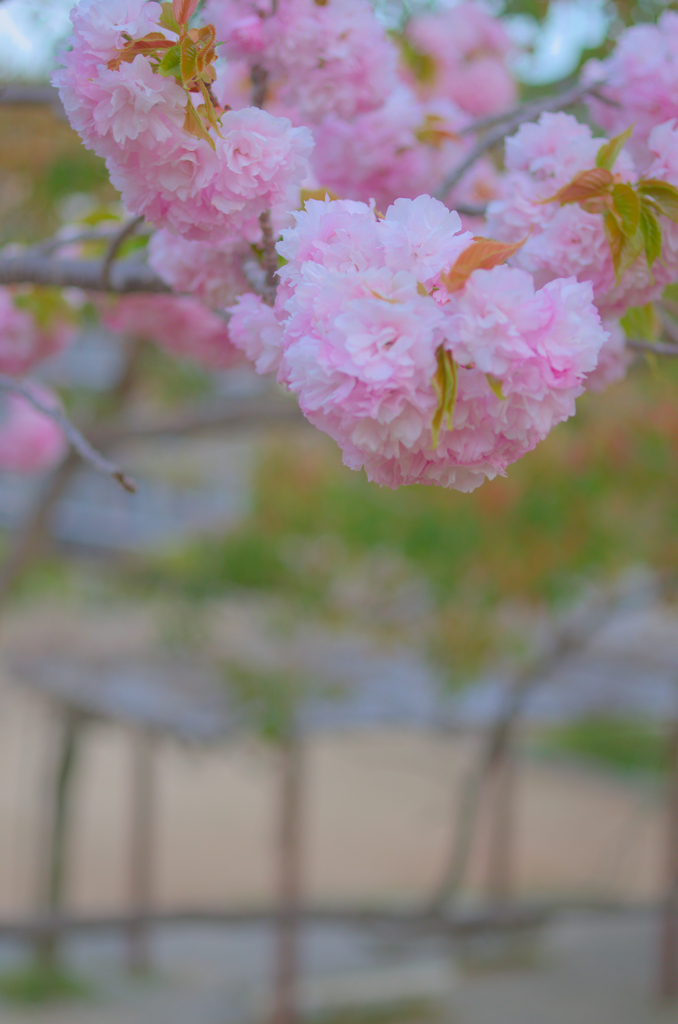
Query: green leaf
point(495, 385)
point(193, 124)
point(167, 19)
point(171, 63)
point(663, 194)
point(627, 205)
point(445, 384)
point(642, 322)
point(189, 60)
point(210, 114)
point(615, 239)
point(607, 154)
point(652, 234)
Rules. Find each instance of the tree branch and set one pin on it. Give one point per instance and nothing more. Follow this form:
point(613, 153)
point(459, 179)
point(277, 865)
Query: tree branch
point(512, 120)
point(660, 348)
point(230, 412)
point(126, 276)
point(116, 243)
point(78, 441)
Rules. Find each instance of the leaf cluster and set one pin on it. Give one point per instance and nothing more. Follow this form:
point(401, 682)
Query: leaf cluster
point(630, 213)
point(190, 60)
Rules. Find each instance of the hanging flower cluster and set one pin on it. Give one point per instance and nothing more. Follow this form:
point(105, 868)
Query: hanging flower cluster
point(422, 365)
point(129, 84)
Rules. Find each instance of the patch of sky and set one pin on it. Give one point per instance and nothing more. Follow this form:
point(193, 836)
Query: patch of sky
point(552, 49)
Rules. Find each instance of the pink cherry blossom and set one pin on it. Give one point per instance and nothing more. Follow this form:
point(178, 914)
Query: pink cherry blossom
point(210, 272)
point(564, 241)
point(640, 78)
point(330, 58)
point(613, 362)
point(30, 442)
point(23, 342)
point(179, 324)
point(468, 49)
point(362, 315)
point(134, 119)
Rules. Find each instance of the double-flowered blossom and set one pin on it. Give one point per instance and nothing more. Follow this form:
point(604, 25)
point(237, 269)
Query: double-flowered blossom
point(564, 237)
point(203, 187)
point(179, 324)
point(30, 441)
point(24, 342)
point(403, 149)
point(210, 272)
point(423, 369)
point(321, 58)
point(462, 54)
point(640, 82)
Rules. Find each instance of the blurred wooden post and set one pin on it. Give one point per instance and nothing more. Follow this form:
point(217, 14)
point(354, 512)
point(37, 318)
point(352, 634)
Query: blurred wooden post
point(502, 812)
point(668, 950)
point(58, 809)
point(286, 982)
point(141, 852)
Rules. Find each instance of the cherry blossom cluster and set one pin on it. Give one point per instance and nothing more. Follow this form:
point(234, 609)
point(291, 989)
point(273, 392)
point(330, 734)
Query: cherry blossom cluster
point(638, 83)
point(423, 369)
point(202, 186)
point(572, 238)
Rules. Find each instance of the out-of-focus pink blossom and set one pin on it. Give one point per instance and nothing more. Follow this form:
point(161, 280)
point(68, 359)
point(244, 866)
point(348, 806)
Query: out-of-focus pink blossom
point(211, 272)
point(640, 78)
point(330, 58)
point(613, 362)
point(564, 241)
point(180, 324)
point(30, 442)
point(23, 343)
point(401, 150)
point(363, 315)
point(465, 53)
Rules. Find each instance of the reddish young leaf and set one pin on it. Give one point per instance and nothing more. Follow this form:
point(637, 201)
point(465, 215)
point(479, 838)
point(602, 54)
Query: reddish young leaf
point(183, 9)
point(482, 254)
point(585, 185)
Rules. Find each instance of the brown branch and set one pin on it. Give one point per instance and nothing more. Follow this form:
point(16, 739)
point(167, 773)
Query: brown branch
point(270, 258)
point(228, 413)
point(659, 348)
point(77, 440)
point(116, 244)
point(125, 276)
point(527, 112)
point(259, 76)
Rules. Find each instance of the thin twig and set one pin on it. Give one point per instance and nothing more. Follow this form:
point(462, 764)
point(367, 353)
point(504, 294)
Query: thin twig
point(270, 258)
point(78, 441)
point(117, 242)
point(659, 348)
point(259, 76)
point(525, 113)
point(127, 275)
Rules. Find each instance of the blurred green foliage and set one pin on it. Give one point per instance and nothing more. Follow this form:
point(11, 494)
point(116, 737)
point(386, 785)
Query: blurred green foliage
point(624, 745)
point(599, 494)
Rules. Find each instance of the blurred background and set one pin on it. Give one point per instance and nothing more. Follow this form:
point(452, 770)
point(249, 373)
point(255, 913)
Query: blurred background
point(272, 735)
